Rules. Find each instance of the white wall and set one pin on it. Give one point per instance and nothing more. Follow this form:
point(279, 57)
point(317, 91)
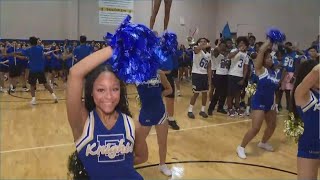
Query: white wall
point(298, 19)
point(59, 19)
point(44, 18)
point(195, 13)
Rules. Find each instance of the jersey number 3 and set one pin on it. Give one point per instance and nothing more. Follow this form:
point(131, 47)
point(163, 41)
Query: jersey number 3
point(203, 63)
point(240, 63)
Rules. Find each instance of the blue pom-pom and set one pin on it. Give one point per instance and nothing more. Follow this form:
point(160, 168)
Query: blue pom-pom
point(275, 35)
point(167, 48)
point(134, 59)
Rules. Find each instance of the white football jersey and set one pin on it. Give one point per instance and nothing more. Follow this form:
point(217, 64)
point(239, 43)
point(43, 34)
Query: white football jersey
point(200, 62)
point(237, 63)
point(222, 65)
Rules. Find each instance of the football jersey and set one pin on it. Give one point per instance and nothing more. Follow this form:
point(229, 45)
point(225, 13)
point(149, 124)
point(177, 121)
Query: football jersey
point(200, 62)
point(222, 65)
point(237, 63)
point(289, 61)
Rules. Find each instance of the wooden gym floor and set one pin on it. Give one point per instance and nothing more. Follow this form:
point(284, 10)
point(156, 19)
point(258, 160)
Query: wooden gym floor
point(36, 142)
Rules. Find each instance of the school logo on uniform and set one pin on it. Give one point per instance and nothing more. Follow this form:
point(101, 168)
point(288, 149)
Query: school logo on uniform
point(110, 148)
point(154, 82)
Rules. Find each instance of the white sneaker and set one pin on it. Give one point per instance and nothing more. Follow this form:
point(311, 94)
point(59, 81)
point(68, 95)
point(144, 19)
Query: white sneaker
point(33, 102)
point(178, 93)
point(165, 170)
point(265, 146)
point(25, 89)
point(241, 152)
point(2, 90)
point(247, 113)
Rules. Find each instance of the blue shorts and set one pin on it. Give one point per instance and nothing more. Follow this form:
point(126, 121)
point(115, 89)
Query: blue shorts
point(309, 149)
point(152, 118)
point(261, 102)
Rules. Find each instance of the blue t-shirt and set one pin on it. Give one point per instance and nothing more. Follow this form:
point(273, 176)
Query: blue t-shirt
point(251, 49)
point(82, 51)
point(12, 60)
point(36, 59)
point(289, 61)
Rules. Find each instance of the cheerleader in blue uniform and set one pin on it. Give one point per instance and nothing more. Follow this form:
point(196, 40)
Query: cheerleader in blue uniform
point(108, 141)
point(153, 113)
point(262, 101)
point(306, 106)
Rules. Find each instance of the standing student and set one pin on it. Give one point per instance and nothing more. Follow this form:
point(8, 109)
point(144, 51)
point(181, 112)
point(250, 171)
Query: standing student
point(107, 140)
point(289, 62)
point(220, 78)
point(201, 75)
point(306, 106)
point(14, 67)
point(35, 55)
point(237, 75)
point(262, 101)
point(313, 53)
point(83, 50)
point(23, 64)
point(3, 67)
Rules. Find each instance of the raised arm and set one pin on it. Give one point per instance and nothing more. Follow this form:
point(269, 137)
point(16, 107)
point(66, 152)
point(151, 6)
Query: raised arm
point(197, 49)
point(76, 111)
point(233, 54)
point(258, 66)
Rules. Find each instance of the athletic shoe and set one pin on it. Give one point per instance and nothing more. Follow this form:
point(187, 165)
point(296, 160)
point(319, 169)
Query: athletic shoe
point(203, 114)
point(173, 124)
point(165, 170)
point(191, 115)
point(241, 152)
point(265, 146)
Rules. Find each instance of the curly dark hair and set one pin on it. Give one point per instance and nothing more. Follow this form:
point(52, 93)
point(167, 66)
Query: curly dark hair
point(76, 169)
point(242, 39)
point(123, 105)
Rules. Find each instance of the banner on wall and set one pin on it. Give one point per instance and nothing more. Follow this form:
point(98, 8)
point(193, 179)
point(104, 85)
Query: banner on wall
point(112, 12)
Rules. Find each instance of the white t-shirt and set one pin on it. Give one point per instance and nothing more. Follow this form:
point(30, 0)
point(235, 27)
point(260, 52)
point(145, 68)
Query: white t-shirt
point(200, 62)
point(237, 63)
point(214, 62)
point(222, 65)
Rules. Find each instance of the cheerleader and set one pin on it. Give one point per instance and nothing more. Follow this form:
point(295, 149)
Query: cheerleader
point(262, 101)
point(108, 141)
point(306, 106)
point(155, 10)
point(153, 113)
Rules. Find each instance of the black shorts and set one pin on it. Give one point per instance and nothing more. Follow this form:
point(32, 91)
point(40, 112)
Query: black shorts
point(48, 69)
point(40, 76)
point(233, 86)
point(221, 84)
point(213, 79)
point(200, 83)
point(15, 71)
point(4, 69)
point(174, 73)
